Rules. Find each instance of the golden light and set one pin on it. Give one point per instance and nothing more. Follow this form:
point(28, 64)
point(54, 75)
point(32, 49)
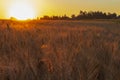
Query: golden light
point(21, 11)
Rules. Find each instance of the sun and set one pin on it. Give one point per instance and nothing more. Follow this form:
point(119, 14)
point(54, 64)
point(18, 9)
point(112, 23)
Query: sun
point(21, 11)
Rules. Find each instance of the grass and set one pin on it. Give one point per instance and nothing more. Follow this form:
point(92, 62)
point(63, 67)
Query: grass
point(117, 21)
point(59, 50)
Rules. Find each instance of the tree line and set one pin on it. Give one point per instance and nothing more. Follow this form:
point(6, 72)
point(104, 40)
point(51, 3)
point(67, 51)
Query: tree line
point(84, 15)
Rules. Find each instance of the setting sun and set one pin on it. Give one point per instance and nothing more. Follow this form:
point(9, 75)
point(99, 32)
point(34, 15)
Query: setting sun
point(22, 11)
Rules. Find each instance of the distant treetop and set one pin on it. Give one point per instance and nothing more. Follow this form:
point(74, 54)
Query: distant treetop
point(84, 15)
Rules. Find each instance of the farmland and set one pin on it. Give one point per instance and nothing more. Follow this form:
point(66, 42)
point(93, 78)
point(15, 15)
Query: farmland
point(60, 50)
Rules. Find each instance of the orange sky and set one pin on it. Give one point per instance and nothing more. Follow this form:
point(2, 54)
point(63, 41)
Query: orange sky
point(61, 7)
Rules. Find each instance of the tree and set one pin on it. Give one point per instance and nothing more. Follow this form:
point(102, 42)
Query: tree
point(73, 16)
point(13, 18)
point(118, 16)
point(65, 17)
point(45, 18)
point(84, 15)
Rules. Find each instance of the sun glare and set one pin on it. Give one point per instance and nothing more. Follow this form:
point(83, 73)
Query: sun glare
point(21, 11)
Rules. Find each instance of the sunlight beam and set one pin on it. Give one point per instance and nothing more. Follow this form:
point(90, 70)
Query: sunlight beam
point(21, 11)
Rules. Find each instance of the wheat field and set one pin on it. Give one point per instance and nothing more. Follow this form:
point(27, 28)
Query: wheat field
point(59, 50)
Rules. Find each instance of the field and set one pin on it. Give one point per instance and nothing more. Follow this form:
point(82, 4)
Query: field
point(60, 50)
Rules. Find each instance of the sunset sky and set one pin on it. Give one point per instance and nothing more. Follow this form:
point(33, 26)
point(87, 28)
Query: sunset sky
point(57, 7)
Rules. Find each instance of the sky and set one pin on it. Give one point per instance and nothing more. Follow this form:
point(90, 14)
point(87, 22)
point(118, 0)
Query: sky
point(61, 7)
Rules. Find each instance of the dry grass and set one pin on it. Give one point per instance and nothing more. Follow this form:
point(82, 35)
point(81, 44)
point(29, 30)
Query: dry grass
point(59, 50)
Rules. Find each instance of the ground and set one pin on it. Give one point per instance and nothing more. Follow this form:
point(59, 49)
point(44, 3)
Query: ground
point(60, 50)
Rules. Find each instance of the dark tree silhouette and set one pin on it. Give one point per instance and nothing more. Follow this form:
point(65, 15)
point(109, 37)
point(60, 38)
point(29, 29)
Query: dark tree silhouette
point(45, 18)
point(118, 16)
point(84, 15)
point(73, 17)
